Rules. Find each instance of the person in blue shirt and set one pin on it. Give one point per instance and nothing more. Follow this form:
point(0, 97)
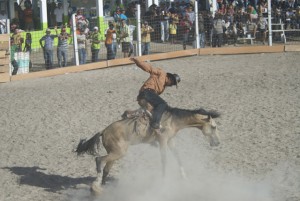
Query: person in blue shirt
point(48, 47)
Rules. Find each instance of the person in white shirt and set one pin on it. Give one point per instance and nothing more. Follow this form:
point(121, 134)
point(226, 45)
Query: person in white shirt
point(59, 12)
point(3, 18)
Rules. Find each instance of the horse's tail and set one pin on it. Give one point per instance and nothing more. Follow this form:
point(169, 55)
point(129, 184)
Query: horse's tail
point(89, 146)
point(211, 113)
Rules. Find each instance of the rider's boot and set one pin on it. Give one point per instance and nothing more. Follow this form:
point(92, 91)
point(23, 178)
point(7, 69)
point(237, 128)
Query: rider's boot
point(156, 127)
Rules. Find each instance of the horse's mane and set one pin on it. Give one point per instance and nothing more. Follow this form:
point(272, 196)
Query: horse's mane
point(184, 112)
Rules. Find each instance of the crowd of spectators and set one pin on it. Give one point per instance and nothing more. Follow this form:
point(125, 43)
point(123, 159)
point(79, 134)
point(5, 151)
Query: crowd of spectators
point(172, 23)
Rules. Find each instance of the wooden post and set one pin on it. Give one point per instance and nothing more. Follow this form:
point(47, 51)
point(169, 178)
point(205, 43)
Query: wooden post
point(4, 58)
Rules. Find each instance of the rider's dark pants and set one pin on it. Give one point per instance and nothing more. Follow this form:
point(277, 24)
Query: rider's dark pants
point(158, 104)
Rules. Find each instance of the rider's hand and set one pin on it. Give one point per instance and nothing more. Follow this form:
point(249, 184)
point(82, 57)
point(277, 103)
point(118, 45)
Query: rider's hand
point(132, 59)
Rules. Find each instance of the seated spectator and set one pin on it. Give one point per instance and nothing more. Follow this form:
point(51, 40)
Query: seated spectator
point(123, 16)
point(252, 13)
point(261, 27)
point(3, 19)
point(290, 19)
point(48, 48)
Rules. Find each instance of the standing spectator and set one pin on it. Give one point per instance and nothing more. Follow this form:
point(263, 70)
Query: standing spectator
point(28, 41)
point(19, 14)
point(186, 27)
point(27, 47)
point(81, 40)
point(17, 38)
point(164, 24)
point(173, 31)
point(28, 16)
point(14, 63)
point(124, 35)
point(217, 38)
point(110, 42)
point(297, 17)
point(201, 30)
point(16, 45)
point(95, 47)
point(58, 12)
point(3, 18)
point(48, 48)
point(62, 47)
point(146, 38)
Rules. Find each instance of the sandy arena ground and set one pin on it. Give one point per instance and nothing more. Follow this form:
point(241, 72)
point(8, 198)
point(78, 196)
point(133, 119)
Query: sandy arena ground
point(42, 120)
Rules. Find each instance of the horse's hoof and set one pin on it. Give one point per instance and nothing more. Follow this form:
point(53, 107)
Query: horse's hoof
point(96, 189)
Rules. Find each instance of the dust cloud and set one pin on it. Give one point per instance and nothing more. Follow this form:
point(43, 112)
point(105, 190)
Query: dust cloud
point(139, 178)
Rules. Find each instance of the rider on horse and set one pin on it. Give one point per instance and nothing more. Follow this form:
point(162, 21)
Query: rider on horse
point(152, 88)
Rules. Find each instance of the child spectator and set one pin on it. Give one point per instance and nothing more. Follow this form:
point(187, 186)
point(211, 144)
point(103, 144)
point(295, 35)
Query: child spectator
point(28, 41)
point(27, 47)
point(173, 31)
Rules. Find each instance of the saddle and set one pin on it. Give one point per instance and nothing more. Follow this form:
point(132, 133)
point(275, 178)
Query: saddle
point(141, 119)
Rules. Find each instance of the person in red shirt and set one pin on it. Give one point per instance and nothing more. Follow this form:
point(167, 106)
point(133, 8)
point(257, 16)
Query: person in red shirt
point(152, 88)
point(28, 16)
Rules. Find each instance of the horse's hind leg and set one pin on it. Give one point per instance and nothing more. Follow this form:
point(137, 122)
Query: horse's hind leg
point(108, 162)
point(106, 170)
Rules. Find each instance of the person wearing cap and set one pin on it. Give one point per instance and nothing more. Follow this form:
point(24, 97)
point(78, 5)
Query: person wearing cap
point(95, 46)
point(152, 88)
point(48, 47)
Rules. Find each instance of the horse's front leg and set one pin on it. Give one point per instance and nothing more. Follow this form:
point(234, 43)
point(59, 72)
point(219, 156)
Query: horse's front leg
point(172, 147)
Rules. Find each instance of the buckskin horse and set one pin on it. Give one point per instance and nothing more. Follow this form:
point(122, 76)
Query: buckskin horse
point(118, 136)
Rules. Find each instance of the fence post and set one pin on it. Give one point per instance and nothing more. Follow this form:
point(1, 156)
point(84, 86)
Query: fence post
point(270, 22)
point(139, 39)
point(9, 44)
point(197, 25)
point(75, 44)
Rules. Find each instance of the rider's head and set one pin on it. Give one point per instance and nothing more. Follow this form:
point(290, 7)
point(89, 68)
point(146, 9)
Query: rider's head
point(174, 79)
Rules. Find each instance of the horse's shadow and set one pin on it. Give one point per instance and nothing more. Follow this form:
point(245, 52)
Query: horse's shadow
point(34, 176)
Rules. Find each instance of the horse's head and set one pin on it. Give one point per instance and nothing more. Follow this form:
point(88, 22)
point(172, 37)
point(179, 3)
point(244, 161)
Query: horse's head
point(209, 129)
